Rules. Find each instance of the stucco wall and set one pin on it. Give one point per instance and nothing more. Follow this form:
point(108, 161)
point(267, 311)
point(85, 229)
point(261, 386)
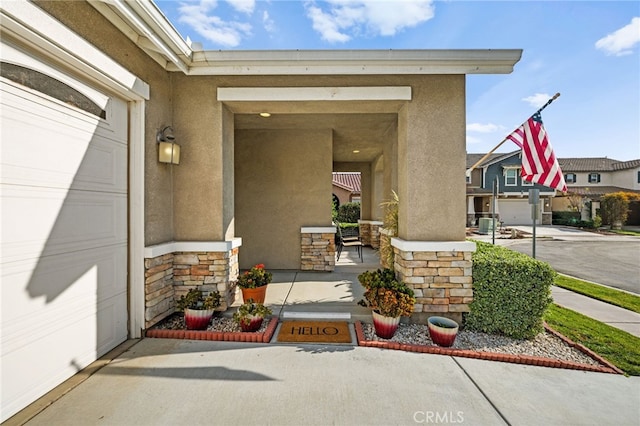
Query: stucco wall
point(282, 183)
point(431, 161)
point(91, 25)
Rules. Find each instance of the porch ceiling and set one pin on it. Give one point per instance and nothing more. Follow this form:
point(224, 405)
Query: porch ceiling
point(364, 132)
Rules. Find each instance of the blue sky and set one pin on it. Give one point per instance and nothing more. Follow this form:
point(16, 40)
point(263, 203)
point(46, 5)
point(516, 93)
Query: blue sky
point(589, 51)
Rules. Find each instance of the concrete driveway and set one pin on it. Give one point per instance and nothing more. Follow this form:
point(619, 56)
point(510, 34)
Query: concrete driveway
point(612, 260)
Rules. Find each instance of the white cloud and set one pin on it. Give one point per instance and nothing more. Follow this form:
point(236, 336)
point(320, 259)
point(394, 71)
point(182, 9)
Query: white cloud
point(344, 19)
point(244, 6)
point(226, 33)
point(538, 99)
point(268, 23)
point(621, 42)
point(482, 128)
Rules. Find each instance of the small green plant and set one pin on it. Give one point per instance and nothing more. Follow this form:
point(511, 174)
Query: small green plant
point(511, 292)
point(196, 299)
point(257, 276)
point(385, 294)
point(248, 310)
point(597, 222)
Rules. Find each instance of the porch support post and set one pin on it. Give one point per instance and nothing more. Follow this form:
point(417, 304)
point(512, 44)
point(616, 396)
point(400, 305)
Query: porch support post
point(471, 210)
point(440, 274)
point(318, 248)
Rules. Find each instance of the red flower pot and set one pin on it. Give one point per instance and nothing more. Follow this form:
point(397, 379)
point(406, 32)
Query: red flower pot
point(253, 324)
point(443, 331)
point(257, 294)
point(196, 319)
point(385, 326)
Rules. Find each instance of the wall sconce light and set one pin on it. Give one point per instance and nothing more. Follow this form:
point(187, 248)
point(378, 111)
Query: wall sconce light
point(168, 150)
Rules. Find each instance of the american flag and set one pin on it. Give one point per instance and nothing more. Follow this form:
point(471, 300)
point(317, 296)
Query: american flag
point(539, 163)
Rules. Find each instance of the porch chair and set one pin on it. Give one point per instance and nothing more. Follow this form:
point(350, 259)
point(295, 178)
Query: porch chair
point(350, 240)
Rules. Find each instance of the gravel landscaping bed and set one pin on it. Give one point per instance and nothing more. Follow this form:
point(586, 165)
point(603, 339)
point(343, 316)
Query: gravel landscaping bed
point(220, 324)
point(543, 345)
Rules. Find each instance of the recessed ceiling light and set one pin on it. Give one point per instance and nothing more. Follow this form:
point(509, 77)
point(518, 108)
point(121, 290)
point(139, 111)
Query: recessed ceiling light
point(265, 114)
point(355, 151)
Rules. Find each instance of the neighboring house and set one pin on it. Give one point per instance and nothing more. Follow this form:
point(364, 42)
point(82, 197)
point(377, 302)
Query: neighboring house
point(512, 204)
point(592, 178)
point(346, 187)
point(100, 234)
point(588, 177)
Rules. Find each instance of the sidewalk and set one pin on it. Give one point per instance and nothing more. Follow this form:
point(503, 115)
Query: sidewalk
point(615, 316)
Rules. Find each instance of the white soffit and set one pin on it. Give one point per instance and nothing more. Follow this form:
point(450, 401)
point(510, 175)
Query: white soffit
point(293, 94)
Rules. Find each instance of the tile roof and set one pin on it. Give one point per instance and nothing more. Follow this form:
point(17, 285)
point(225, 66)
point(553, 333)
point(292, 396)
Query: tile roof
point(597, 191)
point(347, 180)
point(598, 164)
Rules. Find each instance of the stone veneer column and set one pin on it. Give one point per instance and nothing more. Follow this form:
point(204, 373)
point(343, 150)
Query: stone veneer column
point(370, 232)
point(318, 248)
point(172, 269)
point(439, 272)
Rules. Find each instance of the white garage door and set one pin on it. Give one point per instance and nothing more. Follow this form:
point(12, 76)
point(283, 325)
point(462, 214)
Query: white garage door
point(515, 212)
point(64, 231)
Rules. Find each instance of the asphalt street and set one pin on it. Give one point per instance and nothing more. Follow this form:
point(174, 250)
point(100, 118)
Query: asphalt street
point(610, 260)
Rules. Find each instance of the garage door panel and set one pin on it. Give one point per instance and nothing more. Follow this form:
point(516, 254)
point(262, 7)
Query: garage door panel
point(63, 263)
point(61, 292)
point(62, 221)
point(515, 212)
point(42, 153)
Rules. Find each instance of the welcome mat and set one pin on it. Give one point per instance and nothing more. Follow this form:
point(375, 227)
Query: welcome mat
point(314, 332)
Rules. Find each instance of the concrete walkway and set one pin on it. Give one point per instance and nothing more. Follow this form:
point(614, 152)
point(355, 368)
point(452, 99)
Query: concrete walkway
point(182, 382)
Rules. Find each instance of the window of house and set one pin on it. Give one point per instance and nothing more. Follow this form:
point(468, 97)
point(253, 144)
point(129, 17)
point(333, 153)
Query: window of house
point(638, 176)
point(594, 177)
point(468, 177)
point(526, 183)
point(570, 178)
point(511, 177)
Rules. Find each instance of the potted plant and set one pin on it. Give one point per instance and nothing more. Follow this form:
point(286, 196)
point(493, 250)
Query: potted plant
point(198, 308)
point(250, 315)
point(388, 298)
point(253, 283)
point(443, 331)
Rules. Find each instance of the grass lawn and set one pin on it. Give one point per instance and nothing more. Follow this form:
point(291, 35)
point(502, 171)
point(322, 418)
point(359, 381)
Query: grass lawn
point(624, 232)
point(606, 294)
point(618, 347)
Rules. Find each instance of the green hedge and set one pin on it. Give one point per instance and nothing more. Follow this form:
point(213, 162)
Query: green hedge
point(511, 292)
point(349, 213)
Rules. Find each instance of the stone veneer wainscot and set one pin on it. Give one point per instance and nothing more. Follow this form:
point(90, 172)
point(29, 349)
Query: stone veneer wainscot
point(172, 269)
point(318, 248)
point(370, 232)
point(439, 272)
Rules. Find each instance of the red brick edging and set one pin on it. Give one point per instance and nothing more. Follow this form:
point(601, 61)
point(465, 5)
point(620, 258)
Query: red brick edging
point(606, 366)
point(264, 337)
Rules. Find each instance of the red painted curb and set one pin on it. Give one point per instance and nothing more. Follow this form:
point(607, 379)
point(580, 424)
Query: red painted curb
point(264, 337)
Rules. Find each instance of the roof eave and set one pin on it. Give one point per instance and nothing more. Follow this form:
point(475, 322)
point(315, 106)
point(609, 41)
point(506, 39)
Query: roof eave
point(144, 23)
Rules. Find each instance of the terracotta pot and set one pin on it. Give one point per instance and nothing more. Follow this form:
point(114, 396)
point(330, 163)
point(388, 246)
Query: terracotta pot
point(253, 325)
point(257, 294)
point(197, 319)
point(385, 326)
point(443, 331)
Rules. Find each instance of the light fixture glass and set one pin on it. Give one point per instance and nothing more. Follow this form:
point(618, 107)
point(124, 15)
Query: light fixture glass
point(355, 151)
point(265, 114)
point(168, 150)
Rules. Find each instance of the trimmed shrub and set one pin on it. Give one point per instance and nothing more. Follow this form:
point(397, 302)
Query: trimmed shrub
point(565, 218)
point(511, 292)
point(349, 213)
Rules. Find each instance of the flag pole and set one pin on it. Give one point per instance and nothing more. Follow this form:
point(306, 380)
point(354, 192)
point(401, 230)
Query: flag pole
point(484, 157)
